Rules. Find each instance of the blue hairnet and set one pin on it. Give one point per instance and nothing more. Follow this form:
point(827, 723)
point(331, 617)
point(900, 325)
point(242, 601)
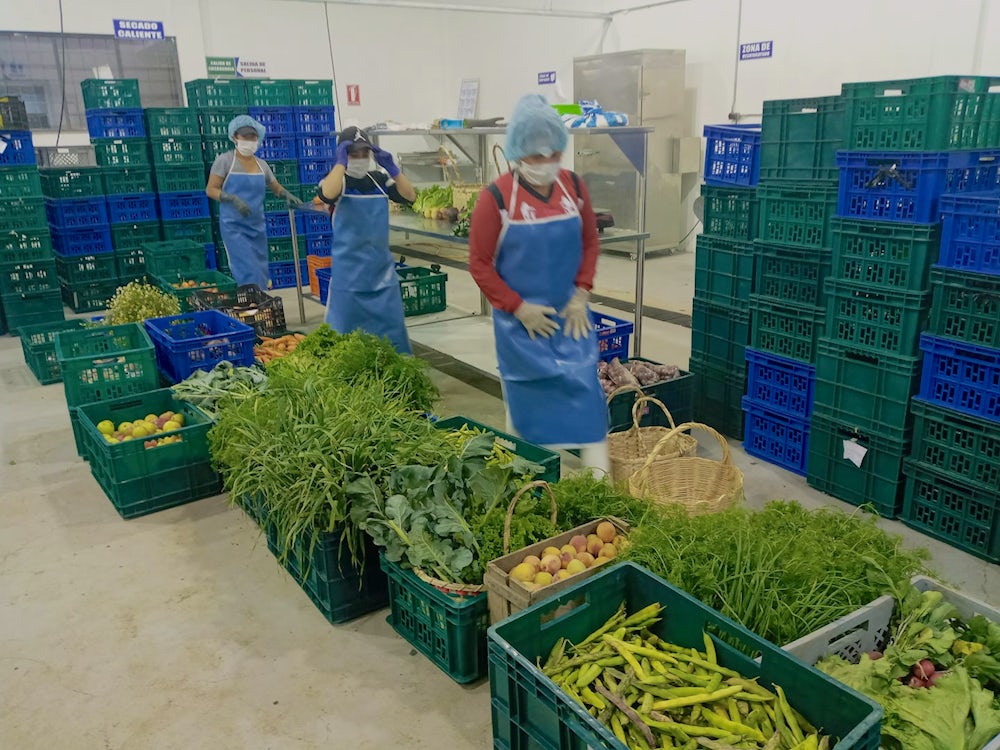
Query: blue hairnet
point(246, 121)
point(534, 128)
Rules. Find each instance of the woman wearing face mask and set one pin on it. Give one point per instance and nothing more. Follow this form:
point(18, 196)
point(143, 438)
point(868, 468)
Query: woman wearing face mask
point(237, 180)
point(364, 288)
point(533, 250)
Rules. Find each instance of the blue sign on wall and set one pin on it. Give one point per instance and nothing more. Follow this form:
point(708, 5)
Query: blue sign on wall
point(126, 29)
point(549, 76)
point(756, 50)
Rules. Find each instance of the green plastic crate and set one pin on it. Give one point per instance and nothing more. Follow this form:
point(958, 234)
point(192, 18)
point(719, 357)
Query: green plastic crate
point(718, 395)
point(869, 389)
point(449, 630)
point(156, 492)
point(89, 296)
point(720, 332)
point(173, 257)
point(130, 265)
point(877, 481)
point(286, 171)
point(531, 712)
point(798, 214)
point(785, 328)
point(127, 180)
point(79, 438)
point(213, 147)
point(26, 244)
point(189, 230)
point(118, 93)
point(312, 93)
point(921, 114)
point(723, 270)
point(268, 93)
point(676, 394)
point(210, 280)
point(134, 236)
point(274, 203)
point(547, 459)
point(423, 289)
point(83, 182)
point(875, 319)
point(893, 256)
point(730, 212)
point(215, 122)
point(105, 363)
point(966, 307)
point(122, 152)
point(21, 214)
point(790, 275)
point(85, 269)
point(28, 278)
point(959, 445)
point(800, 138)
point(39, 348)
point(176, 152)
point(222, 93)
point(181, 178)
point(958, 513)
point(279, 249)
point(171, 122)
point(20, 182)
point(31, 309)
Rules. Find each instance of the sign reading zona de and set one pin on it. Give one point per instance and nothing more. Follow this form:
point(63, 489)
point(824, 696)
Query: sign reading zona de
point(756, 50)
point(128, 29)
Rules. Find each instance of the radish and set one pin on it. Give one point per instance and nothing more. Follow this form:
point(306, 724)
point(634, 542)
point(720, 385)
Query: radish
point(923, 669)
point(874, 655)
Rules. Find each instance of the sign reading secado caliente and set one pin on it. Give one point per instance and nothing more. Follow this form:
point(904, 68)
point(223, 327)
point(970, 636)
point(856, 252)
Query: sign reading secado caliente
point(756, 50)
point(126, 29)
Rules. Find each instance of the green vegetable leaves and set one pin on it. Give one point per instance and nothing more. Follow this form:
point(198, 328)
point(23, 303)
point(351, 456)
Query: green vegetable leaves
point(209, 389)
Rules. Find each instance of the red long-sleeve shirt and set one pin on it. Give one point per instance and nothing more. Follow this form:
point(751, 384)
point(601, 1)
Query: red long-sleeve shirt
point(486, 224)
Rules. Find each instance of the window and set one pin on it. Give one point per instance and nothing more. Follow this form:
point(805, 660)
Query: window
point(31, 65)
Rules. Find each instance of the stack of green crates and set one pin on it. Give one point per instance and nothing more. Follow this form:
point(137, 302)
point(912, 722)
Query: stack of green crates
point(29, 287)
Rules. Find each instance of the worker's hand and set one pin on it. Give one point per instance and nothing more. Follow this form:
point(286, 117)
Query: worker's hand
point(535, 318)
point(577, 316)
point(292, 201)
point(238, 203)
point(387, 161)
point(342, 153)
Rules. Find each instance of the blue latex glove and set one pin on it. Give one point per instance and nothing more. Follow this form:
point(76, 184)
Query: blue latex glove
point(385, 160)
point(341, 153)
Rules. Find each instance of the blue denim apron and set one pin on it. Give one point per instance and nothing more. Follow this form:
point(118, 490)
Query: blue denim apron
point(245, 236)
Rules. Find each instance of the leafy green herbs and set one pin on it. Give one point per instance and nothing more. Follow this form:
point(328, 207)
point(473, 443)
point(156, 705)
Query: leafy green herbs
point(208, 390)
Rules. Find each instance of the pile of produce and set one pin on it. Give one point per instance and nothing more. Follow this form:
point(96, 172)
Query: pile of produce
point(616, 374)
point(144, 427)
point(207, 286)
point(434, 202)
point(272, 348)
point(208, 389)
point(781, 572)
point(464, 223)
point(654, 694)
point(581, 553)
point(137, 301)
point(934, 678)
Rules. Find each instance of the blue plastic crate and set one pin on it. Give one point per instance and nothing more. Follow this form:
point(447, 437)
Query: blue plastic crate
point(277, 120)
point(316, 222)
point(211, 262)
point(76, 213)
point(283, 274)
point(278, 225)
point(314, 170)
point(907, 186)
point(19, 149)
point(277, 147)
point(613, 335)
point(732, 154)
point(319, 244)
point(323, 276)
point(186, 205)
point(316, 146)
point(970, 232)
point(88, 241)
point(779, 384)
point(961, 376)
point(777, 438)
point(116, 123)
point(132, 209)
point(315, 120)
point(199, 341)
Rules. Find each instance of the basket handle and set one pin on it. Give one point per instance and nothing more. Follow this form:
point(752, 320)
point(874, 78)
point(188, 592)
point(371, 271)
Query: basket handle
point(513, 504)
point(665, 441)
point(624, 389)
point(644, 399)
point(447, 162)
point(497, 147)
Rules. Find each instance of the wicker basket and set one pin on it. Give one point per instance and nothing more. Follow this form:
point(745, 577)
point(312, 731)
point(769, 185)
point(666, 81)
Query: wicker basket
point(702, 485)
point(629, 450)
point(461, 192)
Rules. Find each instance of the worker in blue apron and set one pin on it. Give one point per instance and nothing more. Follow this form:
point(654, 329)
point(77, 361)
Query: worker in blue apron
point(534, 258)
point(364, 291)
point(238, 179)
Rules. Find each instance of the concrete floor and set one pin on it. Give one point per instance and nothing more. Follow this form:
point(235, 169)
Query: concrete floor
point(179, 630)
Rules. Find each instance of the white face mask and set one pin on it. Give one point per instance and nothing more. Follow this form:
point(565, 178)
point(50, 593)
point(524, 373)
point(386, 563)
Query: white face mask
point(542, 175)
point(358, 168)
point(247, 148)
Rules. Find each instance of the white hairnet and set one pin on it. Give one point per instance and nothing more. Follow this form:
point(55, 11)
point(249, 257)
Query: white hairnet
point(246, 121)
point(534, 129)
